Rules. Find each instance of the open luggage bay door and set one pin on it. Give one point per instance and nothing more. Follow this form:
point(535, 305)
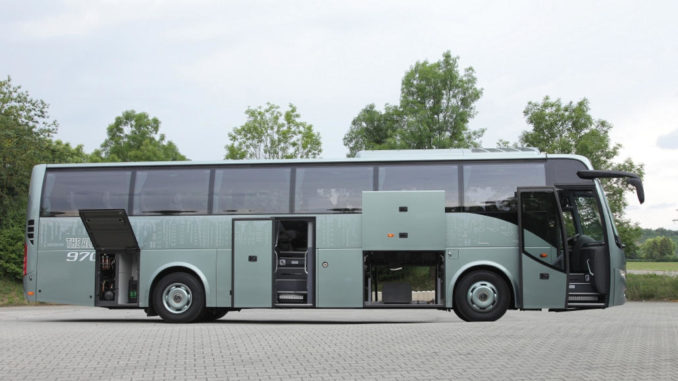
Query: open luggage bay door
point(117, 256)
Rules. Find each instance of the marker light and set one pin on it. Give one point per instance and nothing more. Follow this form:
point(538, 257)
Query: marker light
point(543, 255)
point(390, 235)
point(31, 293)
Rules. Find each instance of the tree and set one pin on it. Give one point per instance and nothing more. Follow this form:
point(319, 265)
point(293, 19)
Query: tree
point(61, 152)
point(373, 130)
point(270, 134)
point(26, 131)
point(437, 101)
point(658, 248)
point(569, 128)
point(134, 136)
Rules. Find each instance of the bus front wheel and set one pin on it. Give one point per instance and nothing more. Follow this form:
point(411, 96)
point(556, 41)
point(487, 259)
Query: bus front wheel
point(481, 295)
point(179, 298)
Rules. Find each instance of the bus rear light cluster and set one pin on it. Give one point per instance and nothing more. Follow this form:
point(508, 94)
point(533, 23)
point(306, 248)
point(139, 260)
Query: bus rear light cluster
point(25, 258)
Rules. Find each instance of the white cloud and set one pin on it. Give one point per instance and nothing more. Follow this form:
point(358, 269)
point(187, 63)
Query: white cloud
point(638, 132)
point(668, 141)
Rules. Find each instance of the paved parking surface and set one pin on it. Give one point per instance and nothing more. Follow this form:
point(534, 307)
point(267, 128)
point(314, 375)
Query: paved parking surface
point(635, 341)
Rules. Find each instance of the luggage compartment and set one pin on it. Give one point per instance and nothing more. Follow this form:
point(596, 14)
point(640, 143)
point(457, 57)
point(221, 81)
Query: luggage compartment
point(117, 257)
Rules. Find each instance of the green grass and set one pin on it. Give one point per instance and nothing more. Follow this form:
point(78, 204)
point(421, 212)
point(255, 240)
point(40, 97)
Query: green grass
point(652, 266)
point(11, 293)
point(651, 287)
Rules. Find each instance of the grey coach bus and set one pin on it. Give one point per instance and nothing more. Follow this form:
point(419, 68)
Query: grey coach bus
point(475, 231)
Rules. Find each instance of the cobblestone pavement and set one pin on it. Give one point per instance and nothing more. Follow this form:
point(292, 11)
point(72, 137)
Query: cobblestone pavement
point(635, 341)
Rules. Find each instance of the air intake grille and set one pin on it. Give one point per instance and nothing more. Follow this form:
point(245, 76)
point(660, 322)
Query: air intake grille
point(30, 231)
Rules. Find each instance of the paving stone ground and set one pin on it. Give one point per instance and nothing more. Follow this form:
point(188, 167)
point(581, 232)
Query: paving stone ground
point(633, 342)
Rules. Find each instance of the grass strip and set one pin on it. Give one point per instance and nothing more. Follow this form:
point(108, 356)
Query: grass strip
point(11, 293)
point(652, 266)
point(651, 287)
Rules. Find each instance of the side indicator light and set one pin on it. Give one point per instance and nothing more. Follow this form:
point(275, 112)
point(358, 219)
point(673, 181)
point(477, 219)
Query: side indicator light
point(31, 293)
point(543, 255)
point(390, 235)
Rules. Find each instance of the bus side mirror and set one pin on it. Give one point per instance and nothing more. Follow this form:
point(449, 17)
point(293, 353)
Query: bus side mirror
point(632, 179)
point(638, 184)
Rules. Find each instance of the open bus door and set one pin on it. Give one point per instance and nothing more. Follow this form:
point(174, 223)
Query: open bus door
point(543, 252)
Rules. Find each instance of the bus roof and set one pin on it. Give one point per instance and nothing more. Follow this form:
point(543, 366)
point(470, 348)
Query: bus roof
point(364, 156)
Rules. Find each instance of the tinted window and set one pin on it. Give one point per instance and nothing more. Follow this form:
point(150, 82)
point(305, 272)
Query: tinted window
point(564, 171)
point(67, 191)
point(589, 217)
point(422, 177)
point(171, 191)
point(252, 190)
point(492, 187)
point(331, 188)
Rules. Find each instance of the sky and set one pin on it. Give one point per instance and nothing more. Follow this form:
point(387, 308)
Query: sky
point(197, 66)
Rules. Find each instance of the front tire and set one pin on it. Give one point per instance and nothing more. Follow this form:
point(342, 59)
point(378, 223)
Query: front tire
point(481, 295)
point(179, 298)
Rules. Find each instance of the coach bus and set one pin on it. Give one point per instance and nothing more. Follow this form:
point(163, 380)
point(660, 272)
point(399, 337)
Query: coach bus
point(476, 231)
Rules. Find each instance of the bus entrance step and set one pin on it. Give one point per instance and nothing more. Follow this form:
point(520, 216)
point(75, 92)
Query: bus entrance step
point(584, 297)
point(585, 305)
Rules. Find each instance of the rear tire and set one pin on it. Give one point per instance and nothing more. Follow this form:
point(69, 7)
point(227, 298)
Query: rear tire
point(179, 298)
point(481, 295)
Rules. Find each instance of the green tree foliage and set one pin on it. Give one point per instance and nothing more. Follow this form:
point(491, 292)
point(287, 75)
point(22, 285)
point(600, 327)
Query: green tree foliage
point(652, 233)
point(569, 128)
point(437, 101)
point(134, 136)
point(270, 134)
point(373, 130)
point(25, 129)
point(26, 132)
point(658, 248)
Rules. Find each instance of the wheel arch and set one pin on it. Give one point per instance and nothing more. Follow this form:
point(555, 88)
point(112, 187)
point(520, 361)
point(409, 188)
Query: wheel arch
point(489, 266)
point(175, 267)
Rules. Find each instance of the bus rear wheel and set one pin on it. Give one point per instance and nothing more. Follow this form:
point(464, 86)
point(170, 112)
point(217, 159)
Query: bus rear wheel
point(481, 295)
point(179, 298)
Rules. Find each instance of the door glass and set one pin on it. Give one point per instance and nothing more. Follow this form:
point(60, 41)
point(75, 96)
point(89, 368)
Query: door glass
point(541, 228)
point(589, 216)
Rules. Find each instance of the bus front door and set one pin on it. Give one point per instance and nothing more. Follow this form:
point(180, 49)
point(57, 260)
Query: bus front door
point(252, 263)
point(543, 255)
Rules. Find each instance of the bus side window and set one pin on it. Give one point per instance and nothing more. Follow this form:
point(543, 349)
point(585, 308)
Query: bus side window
point(171, 191)
point(252, 190)
point(445, 177)
point(492, 187)
point(336, 188)
point(67, 191)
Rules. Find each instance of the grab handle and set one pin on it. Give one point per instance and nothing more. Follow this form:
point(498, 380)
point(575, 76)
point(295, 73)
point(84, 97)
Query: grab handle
point(589, 266)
